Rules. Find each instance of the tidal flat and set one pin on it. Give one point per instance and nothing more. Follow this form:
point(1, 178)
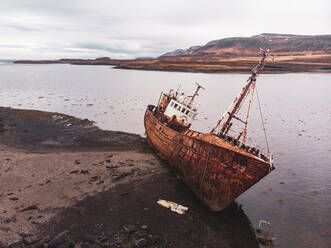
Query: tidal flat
point(295, 198)
point(66, 182)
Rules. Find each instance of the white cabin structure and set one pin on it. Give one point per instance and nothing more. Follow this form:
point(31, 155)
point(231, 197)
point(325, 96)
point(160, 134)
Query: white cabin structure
point(182, 111)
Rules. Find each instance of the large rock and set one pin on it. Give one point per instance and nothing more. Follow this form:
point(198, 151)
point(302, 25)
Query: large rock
point(62, 240)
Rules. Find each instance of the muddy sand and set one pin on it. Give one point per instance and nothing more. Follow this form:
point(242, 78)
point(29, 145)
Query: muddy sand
point(66, 183)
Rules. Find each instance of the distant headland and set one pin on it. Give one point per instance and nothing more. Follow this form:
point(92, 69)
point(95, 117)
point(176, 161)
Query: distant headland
point(292, 53)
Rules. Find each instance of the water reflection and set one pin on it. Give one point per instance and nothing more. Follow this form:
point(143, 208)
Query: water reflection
point(232, 225)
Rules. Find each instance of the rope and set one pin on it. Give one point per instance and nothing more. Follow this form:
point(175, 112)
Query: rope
point(264, 130)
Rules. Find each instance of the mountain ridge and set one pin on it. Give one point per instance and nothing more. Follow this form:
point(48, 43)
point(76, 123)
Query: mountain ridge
point(277, 42)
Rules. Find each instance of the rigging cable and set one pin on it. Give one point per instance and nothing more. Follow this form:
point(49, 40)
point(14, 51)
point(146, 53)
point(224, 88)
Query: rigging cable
point(264, 130)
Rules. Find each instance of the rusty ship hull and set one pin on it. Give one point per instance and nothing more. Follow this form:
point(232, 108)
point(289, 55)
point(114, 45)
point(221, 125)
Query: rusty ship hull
point(215, 170)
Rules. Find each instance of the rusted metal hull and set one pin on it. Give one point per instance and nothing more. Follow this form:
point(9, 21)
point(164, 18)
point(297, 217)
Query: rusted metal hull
point(217, 172)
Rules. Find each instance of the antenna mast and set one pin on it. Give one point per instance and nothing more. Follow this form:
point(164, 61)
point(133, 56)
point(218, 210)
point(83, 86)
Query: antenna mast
point(196, 92)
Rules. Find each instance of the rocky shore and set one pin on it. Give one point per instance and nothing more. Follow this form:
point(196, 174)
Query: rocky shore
point(66, 183)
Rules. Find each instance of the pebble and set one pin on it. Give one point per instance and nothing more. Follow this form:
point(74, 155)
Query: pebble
point(32, 207)
point(88, 238)
point(130, 228)
point(111, 167)
point(94, 178)
point(141, 243)
point(59, 239)
point(84, 172)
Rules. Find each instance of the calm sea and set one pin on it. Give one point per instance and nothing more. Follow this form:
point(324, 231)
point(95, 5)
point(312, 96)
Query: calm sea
point(296, 108)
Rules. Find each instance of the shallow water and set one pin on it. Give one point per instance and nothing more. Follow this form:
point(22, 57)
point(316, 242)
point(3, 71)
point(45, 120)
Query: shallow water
point(295, 198)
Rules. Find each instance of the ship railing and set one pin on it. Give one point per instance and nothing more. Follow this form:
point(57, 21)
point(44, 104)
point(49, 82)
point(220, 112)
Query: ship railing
point(253, 149)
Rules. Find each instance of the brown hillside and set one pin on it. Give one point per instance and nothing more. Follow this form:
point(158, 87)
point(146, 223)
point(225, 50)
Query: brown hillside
point(292, 53)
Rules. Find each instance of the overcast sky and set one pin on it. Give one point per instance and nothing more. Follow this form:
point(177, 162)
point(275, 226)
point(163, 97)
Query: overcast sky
point(42, 29)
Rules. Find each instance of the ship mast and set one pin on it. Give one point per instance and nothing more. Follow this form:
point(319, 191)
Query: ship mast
point(196, 92)
point(234, 107)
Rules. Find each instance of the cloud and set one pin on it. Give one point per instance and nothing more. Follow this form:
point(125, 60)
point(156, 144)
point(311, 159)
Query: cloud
point(134, 28)
point(103, 47)
point(20, 27)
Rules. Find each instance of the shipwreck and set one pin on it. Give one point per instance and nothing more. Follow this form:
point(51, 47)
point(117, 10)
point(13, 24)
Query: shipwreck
point(217, 166)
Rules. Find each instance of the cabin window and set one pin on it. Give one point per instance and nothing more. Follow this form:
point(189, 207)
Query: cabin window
point(183, 110)
point(178, 108)
point(175, 105)
point(187, 112)
point(172, 104)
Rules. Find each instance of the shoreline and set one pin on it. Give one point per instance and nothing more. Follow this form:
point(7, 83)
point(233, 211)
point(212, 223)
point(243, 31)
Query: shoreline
point(238, 65)
point(247, 71)
point(62, 178)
